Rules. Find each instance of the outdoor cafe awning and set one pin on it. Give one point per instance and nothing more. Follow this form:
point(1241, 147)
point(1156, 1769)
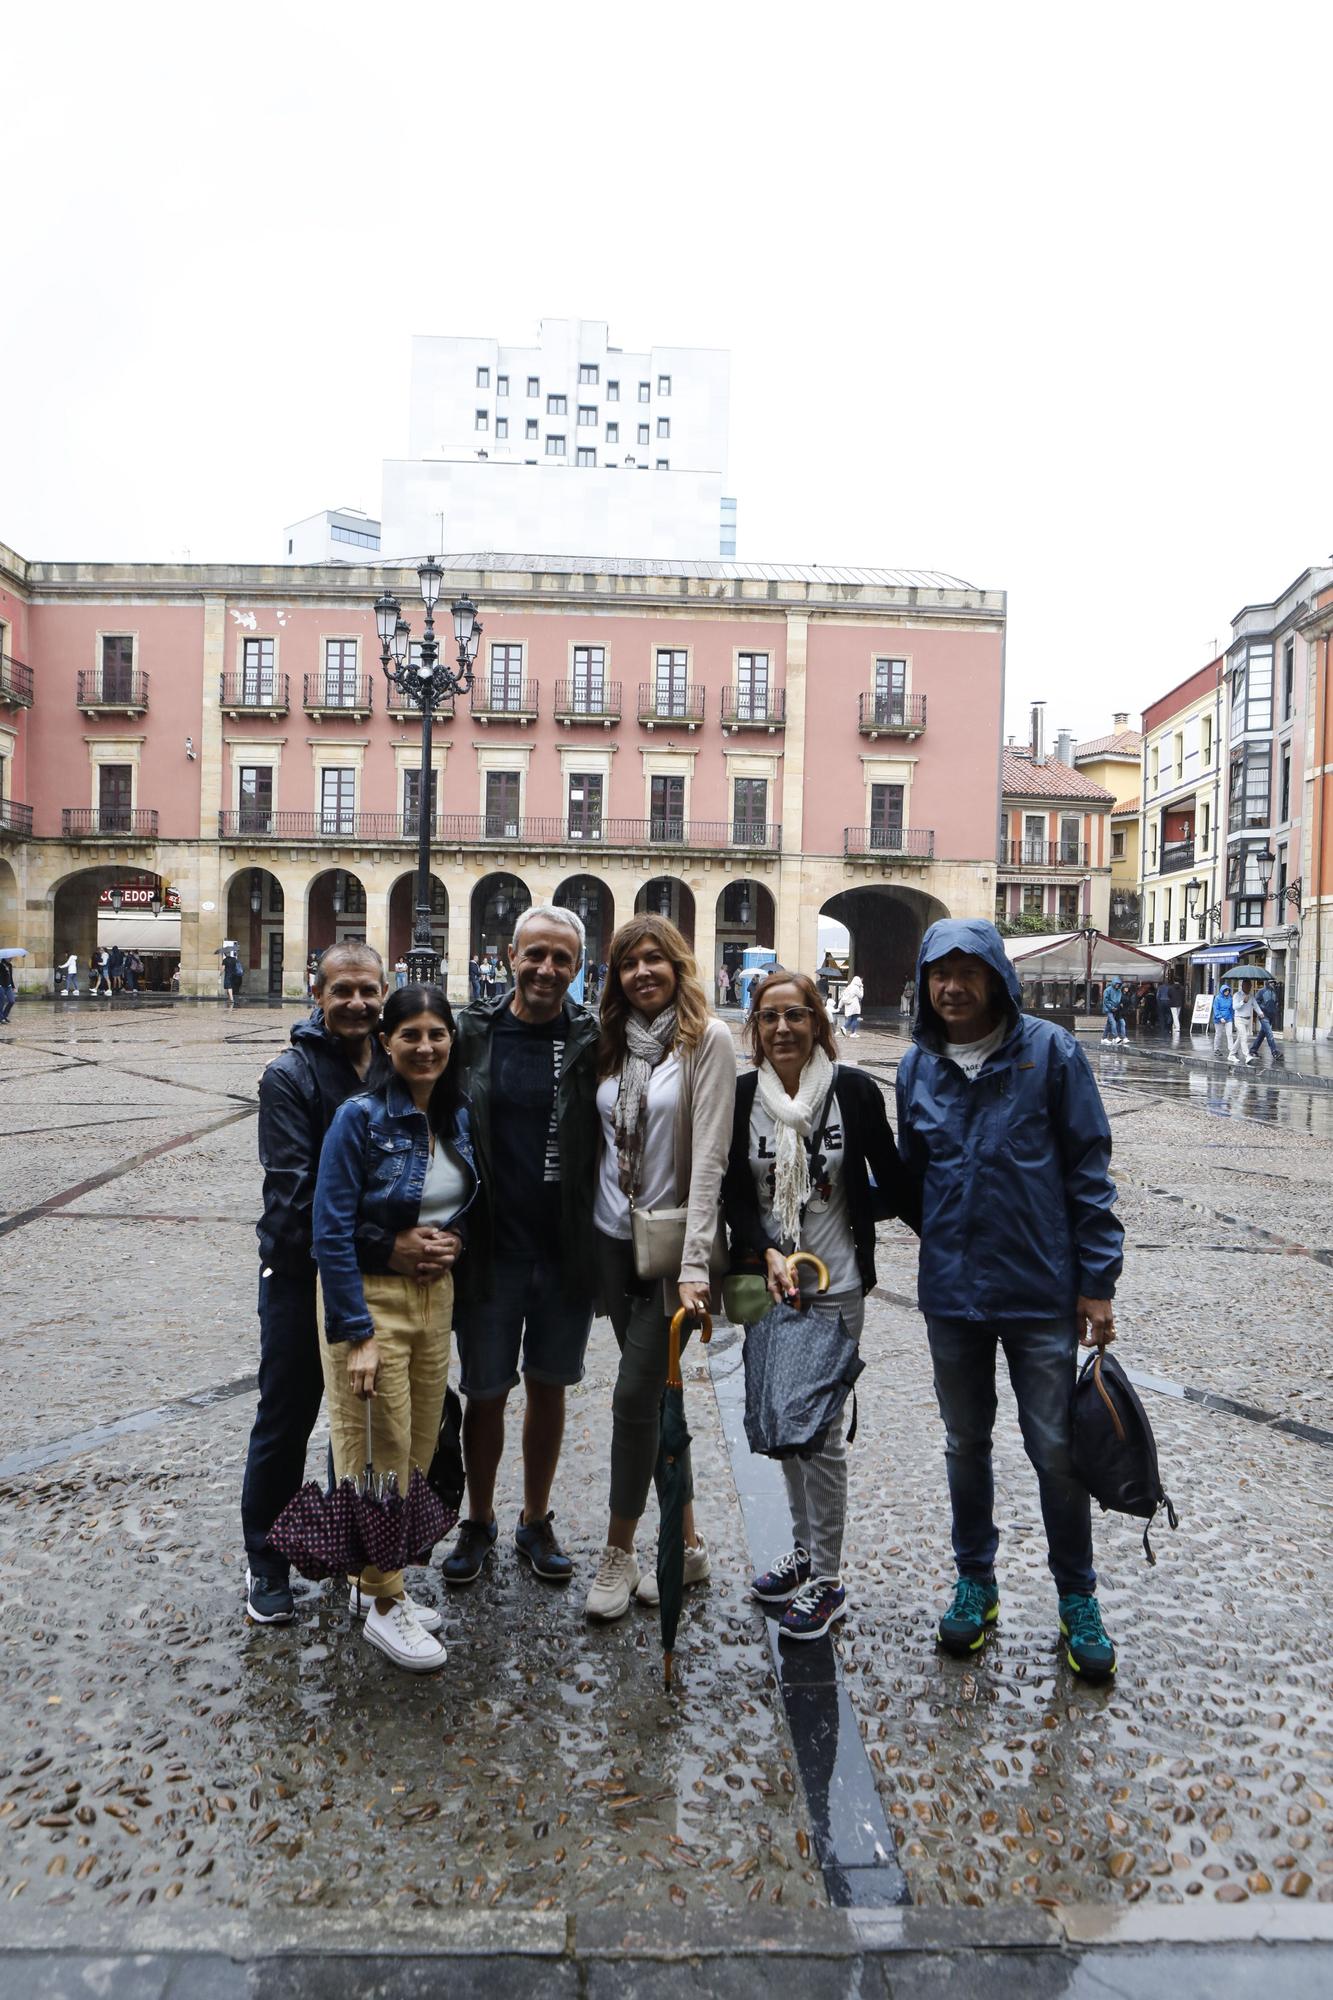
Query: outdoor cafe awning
point(1065, 956)
point(140, 933)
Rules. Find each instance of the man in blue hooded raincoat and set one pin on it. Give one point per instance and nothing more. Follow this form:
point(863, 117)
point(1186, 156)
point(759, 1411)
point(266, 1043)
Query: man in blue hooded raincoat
point(1000, 1117)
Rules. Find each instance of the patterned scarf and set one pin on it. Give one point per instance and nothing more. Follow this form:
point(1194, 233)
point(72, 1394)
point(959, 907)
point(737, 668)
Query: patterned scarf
point(646, 1045)
point(793, 1122)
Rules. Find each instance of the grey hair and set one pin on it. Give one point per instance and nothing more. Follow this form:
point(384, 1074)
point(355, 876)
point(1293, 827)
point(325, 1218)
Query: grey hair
point(354, 952)
point(557, 915)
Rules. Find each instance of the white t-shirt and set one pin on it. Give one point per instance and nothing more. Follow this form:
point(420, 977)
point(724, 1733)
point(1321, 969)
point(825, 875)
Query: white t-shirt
point(970, 1056)
point(445, 1190)
point(657, 1180)
point(826, 1227)
point(1243, 1010)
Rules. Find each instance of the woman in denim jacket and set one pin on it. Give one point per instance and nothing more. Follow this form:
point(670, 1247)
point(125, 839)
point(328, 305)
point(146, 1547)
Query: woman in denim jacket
point(399, 1158)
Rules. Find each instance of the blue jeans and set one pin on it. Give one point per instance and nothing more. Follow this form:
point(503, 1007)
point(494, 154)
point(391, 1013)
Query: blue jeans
point(8, 995)
point(1263, 1032)
point(1041, 1357)
point(291, 1385)
point(1115, 1025)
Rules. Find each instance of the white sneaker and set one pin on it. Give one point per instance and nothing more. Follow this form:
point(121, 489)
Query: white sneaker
point(615, 1583)
point(427, 1617)
point(397, 1633)
point(697, 1570)
point(1233, 1059)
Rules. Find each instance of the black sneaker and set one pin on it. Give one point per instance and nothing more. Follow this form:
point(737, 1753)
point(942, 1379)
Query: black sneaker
point(472, 1544)
point(780, 1584)
point(536, 1540)
point(269, 1600)
point(965, 1626)
point(1087, 1648)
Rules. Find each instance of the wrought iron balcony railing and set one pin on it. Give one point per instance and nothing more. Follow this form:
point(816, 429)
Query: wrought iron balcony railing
point(15, 683)
point(14, 818)
point(682, 704)
point(397, 703)
point(1177, 854)
point(581, 701)
point(742, 709)
point(108, 823)
point(892, 714)
point(510, 701)
point(486, 829)
point(255, 694)
point(1045, 854)
point(119, 688)
point(899, 843)
point(327, 694)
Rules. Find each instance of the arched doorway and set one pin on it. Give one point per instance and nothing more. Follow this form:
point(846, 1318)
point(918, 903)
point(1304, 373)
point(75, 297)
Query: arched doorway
point(335, 910)
point(668, 896)
point(403, 915)
point(113, 904)
point(594, 903)
point(746, 916)
point(9, 905)
point(498, 901)
point(886, 923)
point(255, 910)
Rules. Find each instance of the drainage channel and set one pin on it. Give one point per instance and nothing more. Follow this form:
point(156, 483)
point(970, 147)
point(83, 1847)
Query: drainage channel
point(852, 1839)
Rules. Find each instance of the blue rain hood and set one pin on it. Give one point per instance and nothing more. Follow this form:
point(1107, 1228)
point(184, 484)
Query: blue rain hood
point(980, 940)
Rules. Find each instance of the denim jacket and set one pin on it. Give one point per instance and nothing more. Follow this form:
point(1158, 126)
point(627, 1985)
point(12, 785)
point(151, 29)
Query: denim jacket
point(373, 1170)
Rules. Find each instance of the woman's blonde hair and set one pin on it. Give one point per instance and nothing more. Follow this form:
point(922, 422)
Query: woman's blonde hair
point(691, 1002)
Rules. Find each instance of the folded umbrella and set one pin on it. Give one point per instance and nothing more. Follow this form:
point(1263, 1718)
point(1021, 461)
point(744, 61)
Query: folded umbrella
point(799, 1369)
point(317, 1532)
point(343, 1529)
point(672, 1447)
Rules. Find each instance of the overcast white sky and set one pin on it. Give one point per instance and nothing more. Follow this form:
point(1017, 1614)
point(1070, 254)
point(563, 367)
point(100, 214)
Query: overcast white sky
point(1035, 294)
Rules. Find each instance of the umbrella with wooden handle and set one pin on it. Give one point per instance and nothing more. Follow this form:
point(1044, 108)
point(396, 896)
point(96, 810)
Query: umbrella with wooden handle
point(671, 1450)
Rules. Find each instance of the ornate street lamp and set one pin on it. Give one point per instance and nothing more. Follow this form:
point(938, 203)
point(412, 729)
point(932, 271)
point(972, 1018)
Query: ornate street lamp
point(116, 901)
point(425, 683)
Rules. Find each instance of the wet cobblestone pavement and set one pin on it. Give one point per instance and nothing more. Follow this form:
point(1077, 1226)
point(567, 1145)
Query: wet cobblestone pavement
point(157, 1753)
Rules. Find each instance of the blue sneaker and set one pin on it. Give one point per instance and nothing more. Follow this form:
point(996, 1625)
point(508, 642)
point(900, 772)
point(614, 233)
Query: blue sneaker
point(1087, 1648)
point(814, 1608)
point(472, 1544)
point(780, 1584)
point(536, 1540)
point(268, 1599)
point(966, 1625)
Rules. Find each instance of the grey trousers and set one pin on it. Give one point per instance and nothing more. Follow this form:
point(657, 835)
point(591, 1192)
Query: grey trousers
point(817, 1487)
point(641, 1332)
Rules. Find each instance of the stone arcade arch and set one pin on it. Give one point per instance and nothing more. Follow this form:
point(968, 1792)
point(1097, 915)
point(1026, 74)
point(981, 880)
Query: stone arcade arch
point(402, 916)
point(668, 896)
point(887, 922)
point(255, 905)
point(498, 901)
point(75, 908)
point(9, 906)
point(746, 916)
point(592, 899)
point(335, 903)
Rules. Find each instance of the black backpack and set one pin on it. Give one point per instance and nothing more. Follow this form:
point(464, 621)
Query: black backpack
point(1112, 1445)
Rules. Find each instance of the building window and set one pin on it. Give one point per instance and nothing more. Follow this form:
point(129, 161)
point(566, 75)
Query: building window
point(667, 808)
point(1205, 821)
point(749, 809)
point(645, 391)
point(613, 433)
point(482, 421)
point(1071, 842)
point(360, 538)
point(586, 455)
point(1206, 740)
point(534, 386)
point(1066, 903)
point(1288, 679)
point(585, 805)
point(257, 673)
point(340, 689)
point(337, 801)
point(502, 385)
point(555, 446)
point(1178, 754)
point(664, 385)
point(1252, 691)
point(483, 378)
point(589, 689)
point(256, 798)
point(1249, 793)
point(613, 392)
point(117, 667)
point(530, 428)
point(1117, 846)
point(1034, 900)
point(115, 797)
point(751, 687)
point(890, 691)
point(672, 670)
point(587, 418)
point(412, 800)
point(664, 427)
point(501, 427)
point(662, 464)
point(643, 433)
point(1284, 796)
point(504, 791)
point(556, 406)
point(886, 815)
point(506, 688)
point(587, 372)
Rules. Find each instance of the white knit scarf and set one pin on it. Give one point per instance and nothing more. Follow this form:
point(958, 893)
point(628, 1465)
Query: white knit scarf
point(793, 1121)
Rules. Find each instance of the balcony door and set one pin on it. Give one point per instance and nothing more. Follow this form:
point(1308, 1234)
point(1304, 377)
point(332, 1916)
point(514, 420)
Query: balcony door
point(412, 800)
point(752, 687)
point(749, 811)
point(257, 673)
point(667, 808)
point(337, 802)
point(506, 677)
point(1034, 837)
point(503, 798)
point(672, 672)
point(585, 805)
point(890, 691)
point(115, 794)
point(886, 815)
point(1071, 840)
point(117, 668)
point(589, 690)
point(256, 799)
point(340, 673)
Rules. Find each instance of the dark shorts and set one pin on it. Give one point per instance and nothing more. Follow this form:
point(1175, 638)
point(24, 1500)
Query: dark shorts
point(527, 1315)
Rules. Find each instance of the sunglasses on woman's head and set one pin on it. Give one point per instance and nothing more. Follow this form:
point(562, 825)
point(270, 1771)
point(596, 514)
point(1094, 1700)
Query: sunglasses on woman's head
point(795, 1017)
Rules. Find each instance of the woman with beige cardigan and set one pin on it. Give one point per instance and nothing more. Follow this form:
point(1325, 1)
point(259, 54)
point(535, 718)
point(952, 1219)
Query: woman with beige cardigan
point(665, 1103)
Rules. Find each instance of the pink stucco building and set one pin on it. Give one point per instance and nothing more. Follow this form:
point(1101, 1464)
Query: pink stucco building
point(744, 745)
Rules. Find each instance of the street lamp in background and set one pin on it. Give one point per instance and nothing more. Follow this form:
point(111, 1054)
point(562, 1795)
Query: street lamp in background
point(425, 683)
point(1194, 889)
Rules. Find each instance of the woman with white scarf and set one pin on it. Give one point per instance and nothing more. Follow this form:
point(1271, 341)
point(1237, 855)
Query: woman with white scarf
point(665, 1101)
point(808, 1136)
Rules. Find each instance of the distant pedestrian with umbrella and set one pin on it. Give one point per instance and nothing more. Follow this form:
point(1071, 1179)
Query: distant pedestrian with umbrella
point(665, 1102)
point(397, 1158)
point(813, 1166)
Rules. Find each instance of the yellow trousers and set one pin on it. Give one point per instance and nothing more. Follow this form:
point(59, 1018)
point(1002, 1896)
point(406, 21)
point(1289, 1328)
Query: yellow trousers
point(412, 1325)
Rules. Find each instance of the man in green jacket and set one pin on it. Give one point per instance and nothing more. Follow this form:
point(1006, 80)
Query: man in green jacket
point(530, 1070)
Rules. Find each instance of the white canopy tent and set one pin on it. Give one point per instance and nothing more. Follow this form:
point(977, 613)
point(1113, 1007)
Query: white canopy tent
point(1064, 955)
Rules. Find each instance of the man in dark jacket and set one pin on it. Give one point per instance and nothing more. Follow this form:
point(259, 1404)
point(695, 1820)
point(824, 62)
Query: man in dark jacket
point(332, 1056)
point(1000, 1116)
point(525, 1287)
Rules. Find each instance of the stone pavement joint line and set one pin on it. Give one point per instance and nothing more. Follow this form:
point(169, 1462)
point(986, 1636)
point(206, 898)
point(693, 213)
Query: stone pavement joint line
point(56, 1201)
point(138, 1421)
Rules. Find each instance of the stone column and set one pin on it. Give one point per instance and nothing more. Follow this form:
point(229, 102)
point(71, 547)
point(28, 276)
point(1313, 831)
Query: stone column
point(706, 889)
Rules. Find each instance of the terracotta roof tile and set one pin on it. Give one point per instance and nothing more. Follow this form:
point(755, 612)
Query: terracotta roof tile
point(1049, 780)
point(1123, 743)
point(1126, 807)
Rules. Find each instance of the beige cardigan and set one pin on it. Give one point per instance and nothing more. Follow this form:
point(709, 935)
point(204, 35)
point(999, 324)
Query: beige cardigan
point(704, 1113)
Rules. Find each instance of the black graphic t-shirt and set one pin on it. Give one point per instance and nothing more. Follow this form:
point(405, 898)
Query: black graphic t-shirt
point(525, 1144)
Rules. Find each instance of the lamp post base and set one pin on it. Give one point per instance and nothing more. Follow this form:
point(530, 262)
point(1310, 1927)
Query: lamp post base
point(423, 965)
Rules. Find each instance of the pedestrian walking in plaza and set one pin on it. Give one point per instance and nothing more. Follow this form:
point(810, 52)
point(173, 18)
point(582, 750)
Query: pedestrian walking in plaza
point(665, 1103)
point(332, 1057)
point(529, 1066)
point(1113, 1004)
point(8, 990)
point(850, 1005)
point(999, 1116)
point(68, 972)
point(1175, 1000)
point(473, 979)
point(115, 967)
point(1266, 1014)
point(723, 985)
point(1224, 1025)
point(233, 973)
point(100, 981)
point(311, 973)
point(133, 971)
point(399, 974)
point(1147, 1006)
point(1245, 1014)
point(812, 1166)
point(397, 1159)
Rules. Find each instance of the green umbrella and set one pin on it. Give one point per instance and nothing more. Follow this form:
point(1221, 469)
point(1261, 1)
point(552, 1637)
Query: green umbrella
point(1256, 973)
point(672, 1447)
